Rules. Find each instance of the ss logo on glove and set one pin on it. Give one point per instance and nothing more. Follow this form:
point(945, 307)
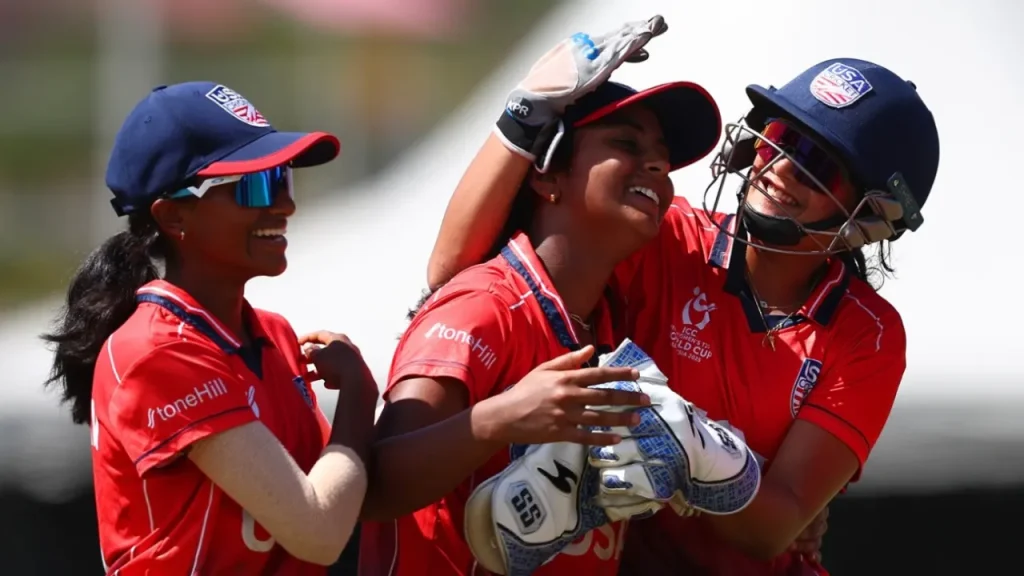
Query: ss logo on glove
point(529, 514)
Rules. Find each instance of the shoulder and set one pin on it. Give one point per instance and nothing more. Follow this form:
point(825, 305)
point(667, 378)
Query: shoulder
point(490, 282)
point(693, 227)
point(276, 326)
point(146, 337)
point(865, 318)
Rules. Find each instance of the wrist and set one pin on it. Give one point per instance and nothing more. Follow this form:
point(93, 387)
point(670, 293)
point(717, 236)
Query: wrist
point(485, 422)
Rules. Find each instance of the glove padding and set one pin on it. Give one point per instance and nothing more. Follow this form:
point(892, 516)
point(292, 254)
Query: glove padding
point(530, 125)
point(676, 455)
point(544, 500)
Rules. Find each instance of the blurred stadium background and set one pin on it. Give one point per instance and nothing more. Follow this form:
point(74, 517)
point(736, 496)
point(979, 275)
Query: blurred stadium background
point(411, 87)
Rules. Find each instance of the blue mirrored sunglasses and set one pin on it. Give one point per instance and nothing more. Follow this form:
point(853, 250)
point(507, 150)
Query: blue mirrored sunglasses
point(256, 190)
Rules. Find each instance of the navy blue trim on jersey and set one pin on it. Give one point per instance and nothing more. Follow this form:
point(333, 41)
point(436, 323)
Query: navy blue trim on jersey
point(555, 320)
point(720, 248)
point(252, 356)
point(736, 283)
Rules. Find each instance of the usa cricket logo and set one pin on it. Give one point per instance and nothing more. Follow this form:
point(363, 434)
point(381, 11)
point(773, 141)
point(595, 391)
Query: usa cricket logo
point(300, 385)
point(806, 380)
point(235, 104)
point(839, 85)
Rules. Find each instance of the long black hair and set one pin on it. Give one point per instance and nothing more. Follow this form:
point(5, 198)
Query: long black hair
point(100, 299)
point(872, 270)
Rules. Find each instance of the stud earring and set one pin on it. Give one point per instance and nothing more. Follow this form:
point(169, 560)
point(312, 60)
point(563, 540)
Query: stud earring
point(182, 236)
point(553, 198)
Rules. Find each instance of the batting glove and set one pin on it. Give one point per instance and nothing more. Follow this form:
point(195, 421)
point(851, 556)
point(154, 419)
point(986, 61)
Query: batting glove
point(531, 124)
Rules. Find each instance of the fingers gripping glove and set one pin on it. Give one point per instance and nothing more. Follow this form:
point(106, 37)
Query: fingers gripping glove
point(531, 125)
point(676, 455)
point(543, 501)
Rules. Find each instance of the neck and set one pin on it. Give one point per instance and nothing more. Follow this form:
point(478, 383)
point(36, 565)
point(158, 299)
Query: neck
point(782, 279)
point(579, 270)
point(223, 299)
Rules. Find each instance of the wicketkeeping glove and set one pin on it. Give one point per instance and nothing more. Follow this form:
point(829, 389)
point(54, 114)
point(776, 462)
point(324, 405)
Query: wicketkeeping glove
point(543, 501)
point(531, 125)
point(676, 455)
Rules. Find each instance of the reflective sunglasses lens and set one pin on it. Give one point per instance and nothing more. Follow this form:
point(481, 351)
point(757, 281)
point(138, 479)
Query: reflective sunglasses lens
point(260, 189)
point(802, 150)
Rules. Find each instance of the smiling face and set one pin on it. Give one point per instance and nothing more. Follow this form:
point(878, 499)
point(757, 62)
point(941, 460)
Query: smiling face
point(224, 236)
point(617, 182)
point(783, 190)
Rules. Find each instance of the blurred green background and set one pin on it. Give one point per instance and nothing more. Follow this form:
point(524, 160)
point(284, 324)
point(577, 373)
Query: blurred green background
point(378, 73)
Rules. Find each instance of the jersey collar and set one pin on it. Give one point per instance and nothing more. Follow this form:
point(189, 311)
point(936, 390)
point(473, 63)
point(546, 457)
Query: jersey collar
point(184, 306)
point(521, 257)
point(730, 255)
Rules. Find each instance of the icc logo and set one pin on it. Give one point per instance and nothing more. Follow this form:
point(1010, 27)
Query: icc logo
point(698, 305)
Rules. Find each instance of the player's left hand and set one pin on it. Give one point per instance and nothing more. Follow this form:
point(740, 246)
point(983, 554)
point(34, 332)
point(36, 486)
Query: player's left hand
point(808, 543)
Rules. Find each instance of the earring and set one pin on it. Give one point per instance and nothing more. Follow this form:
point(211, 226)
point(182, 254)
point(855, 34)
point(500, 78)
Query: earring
point(553, 198)
point(182, 236)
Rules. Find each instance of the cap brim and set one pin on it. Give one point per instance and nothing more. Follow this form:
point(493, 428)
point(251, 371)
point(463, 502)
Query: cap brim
point(688, 115)
point(275, 149)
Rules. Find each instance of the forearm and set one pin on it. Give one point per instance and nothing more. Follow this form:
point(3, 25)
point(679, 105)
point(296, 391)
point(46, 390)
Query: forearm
point(309, 515)
point(337, 488)
point(353, 418)
point(418, 468)
point(766, 527)
point(477, 210)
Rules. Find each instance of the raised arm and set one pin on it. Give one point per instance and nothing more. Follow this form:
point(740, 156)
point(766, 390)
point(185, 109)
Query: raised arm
point(477, 210)
point(525, 134)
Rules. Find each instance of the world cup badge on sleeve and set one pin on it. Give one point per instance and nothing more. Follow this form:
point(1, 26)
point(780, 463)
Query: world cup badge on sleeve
point(839, 85)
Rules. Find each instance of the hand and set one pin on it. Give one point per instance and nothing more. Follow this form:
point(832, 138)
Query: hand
point(551, 403)
point(336, 360)
point(570, 70)
point(808, 543)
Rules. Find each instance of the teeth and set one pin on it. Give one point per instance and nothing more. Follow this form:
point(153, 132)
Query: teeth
point(781, 197)
point(270, 232)
point(646, 192)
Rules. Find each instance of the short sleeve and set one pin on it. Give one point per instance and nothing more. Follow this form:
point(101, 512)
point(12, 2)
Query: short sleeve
point(174, 396)
point(466, 335)
point(853, 398)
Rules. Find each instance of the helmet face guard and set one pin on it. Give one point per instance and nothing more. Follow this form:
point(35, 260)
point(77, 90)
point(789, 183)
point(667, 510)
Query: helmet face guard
point(878, 214)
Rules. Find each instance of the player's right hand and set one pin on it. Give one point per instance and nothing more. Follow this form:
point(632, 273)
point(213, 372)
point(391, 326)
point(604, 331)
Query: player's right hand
point(551, 403)
point(573, 68)
point(336, 359)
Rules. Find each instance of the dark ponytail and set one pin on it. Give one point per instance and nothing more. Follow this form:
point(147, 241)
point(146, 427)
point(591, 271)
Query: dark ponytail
point(875, 270)
point(100, 299)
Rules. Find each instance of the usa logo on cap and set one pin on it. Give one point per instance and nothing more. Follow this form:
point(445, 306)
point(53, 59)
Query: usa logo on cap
point(237, 105)
point(839, 85)
point(806, 380)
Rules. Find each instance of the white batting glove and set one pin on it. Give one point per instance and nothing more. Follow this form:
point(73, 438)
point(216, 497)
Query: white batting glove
point(530, 125)
point(676, 453)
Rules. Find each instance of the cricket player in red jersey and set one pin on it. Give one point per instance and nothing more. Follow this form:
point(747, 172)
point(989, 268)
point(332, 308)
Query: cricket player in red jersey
point(766, 318)
point(493, 358)
point(210, 453)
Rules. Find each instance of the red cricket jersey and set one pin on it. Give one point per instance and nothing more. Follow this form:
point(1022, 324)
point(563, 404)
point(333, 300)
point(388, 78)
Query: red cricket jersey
point(836, 364)
point(488, 327)
point(172, 375)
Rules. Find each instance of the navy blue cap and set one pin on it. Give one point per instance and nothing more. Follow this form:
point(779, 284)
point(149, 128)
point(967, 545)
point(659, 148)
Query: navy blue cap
point(872, 119)
point(688, 115)
point(182, 132)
